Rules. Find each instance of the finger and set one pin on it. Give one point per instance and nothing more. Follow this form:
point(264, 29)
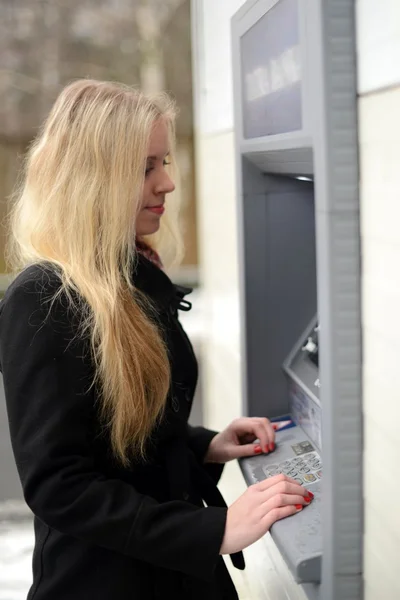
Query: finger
point(248, 438)
point(245, 427)
point(271, 481)
point(289, 487)
point(280, 499)
point(267, 425)
point(276, 514)
point(245, 450)
point(262, 435)
point(283, 481)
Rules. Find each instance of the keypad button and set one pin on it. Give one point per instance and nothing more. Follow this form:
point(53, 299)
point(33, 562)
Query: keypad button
point(286, 470)
point(269, 472)
point(311, 459)
point(310, 478)
point(304, 470)
point(292, 473)
point(286, 463)
point(298, 480)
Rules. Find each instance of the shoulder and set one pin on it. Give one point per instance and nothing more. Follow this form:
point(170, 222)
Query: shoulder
point(32, 304)
point(34, 288)
point(39, 280)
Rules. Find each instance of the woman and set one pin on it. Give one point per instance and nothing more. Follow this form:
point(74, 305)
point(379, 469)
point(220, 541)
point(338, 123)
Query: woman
point(99, 376)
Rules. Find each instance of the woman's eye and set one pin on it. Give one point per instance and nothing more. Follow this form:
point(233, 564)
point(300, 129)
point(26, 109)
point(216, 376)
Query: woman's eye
point(151, 167)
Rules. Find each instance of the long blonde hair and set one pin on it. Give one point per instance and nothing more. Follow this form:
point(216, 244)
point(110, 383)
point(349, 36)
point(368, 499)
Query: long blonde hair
point(75, 210)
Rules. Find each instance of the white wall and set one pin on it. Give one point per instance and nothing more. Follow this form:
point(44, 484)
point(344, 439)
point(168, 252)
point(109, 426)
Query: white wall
point(217, 207)
point(379, 120)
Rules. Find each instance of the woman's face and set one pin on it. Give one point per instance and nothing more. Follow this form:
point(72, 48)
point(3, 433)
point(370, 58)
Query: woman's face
point(157, 183)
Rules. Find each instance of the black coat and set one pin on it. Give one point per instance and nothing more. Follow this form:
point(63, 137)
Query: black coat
point(104, 532)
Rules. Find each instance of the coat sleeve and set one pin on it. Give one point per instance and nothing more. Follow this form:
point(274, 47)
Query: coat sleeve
point(50, 417)
point(199, 438)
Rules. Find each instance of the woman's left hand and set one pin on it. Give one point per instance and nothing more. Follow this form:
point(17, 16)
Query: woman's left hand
point(237, 440)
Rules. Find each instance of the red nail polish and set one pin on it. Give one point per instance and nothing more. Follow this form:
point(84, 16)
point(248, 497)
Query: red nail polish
point(310, 494)
point(274, 426)
point(272, 447)
point(307, 500)
point(266, 449)
point(299, 506)
point(257, 450)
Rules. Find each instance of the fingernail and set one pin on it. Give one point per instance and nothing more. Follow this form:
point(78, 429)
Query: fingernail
point(274, 426)
point(310, 494)
point(267, 449)
point(257, 449)
point(272, 447)
point(299, 506)
point(307, 500)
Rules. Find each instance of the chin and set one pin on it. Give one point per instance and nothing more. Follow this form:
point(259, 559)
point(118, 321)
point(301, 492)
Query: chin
point(148, 229)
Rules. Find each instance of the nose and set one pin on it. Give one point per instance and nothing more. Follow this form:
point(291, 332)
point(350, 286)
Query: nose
point(165, 185)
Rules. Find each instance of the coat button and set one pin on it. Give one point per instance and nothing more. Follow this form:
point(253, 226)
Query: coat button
point(175, 404)
point(185, 496)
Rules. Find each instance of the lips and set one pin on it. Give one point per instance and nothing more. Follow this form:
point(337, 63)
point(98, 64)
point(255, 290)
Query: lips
point(157, 210)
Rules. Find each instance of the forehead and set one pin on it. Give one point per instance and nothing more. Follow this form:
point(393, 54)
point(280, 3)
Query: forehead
point(159, 140)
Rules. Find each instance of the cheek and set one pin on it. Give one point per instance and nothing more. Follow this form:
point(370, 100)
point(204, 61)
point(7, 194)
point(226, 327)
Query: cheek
point(145, 195)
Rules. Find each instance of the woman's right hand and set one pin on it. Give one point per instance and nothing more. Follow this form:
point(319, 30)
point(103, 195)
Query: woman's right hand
point(261, 505)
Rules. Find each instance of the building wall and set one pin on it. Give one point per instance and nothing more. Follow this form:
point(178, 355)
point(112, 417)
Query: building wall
point(378, 47)
point(378, 41)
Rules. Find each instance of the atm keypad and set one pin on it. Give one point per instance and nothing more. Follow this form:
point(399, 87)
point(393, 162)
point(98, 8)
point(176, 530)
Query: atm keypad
point(304, 469)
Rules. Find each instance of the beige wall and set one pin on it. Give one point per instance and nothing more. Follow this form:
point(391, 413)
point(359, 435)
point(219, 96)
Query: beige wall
point(379, 121)
point(380, 205)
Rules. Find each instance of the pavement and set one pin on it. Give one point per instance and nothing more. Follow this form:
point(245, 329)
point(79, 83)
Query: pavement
point(16, 546)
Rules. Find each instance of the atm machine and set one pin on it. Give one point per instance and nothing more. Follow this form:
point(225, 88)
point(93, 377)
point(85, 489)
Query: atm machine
point(297, 178)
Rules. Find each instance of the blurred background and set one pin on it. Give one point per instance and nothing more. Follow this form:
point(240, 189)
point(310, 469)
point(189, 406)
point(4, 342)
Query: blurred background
point(46, 44)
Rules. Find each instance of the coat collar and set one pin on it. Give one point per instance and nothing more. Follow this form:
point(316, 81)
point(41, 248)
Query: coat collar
point(153, 282)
